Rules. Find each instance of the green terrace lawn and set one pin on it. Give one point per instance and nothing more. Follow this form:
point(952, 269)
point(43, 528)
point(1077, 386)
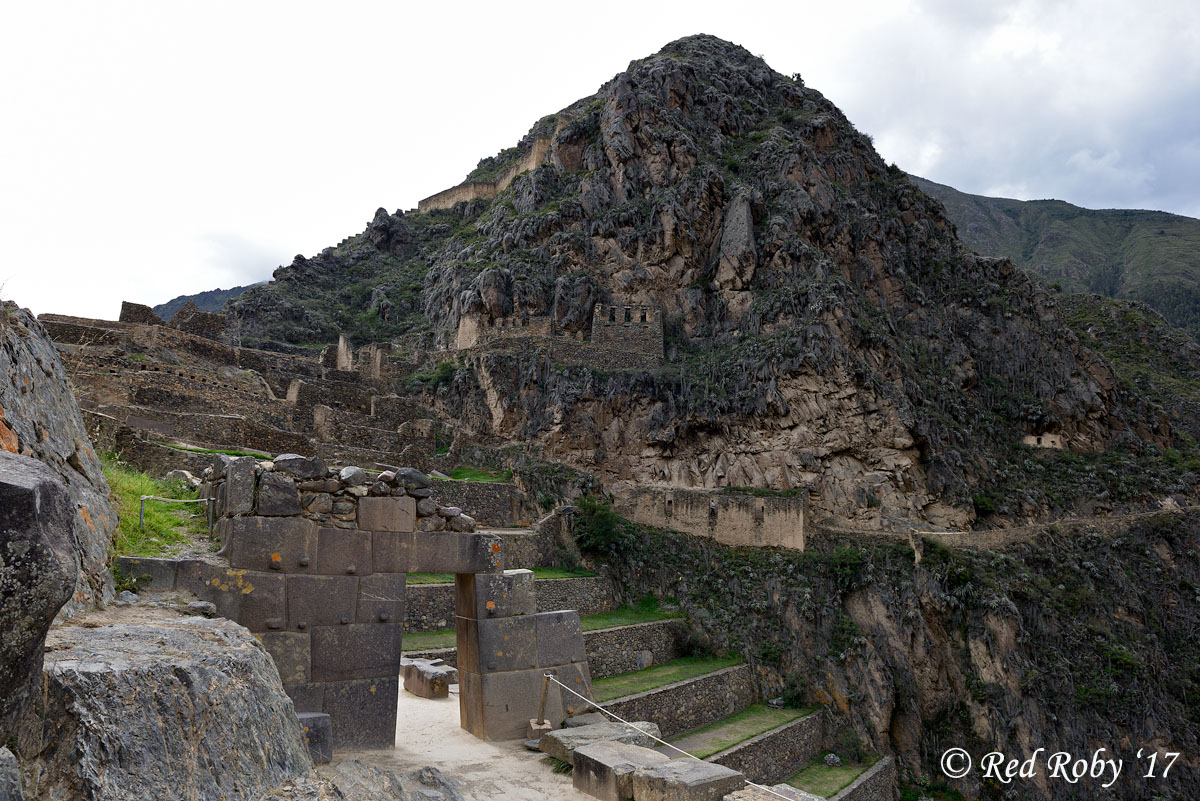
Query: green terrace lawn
point(539, 573)
point(750, 722)
point(646, 611)
point(166, 525)
point(688, 667)
point(825, 781)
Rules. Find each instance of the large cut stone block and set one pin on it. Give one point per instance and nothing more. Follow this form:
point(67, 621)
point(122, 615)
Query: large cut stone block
point(254, 599)
point(285, 544)
point(579, 679)
point(428, 678)
point(685, 779)
point(497, 645)
point(363, 712)
point(158, 574)
point(291, 653)
point(277, 495)
point(321, 601)
point(343, 552)
point(499, 706)
point(318, 736)
point(306, 697)
point(381, 598)
point(238, 490)
point(454, 552)
point(361, 651)
point(561, 744)
point(387, 514)
point(491, 596)
point(605, 770)
point(559, 638)
point(390, 551)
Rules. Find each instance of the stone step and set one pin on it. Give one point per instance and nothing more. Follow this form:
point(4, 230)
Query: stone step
point(767, 745)
point(686, 705)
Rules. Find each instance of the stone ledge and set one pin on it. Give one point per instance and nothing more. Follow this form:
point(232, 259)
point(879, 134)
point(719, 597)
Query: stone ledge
point(692, 703)
point(775, 755)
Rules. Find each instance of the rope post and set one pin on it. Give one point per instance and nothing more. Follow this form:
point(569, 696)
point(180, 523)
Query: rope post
point(142, 514)
point(541, 718)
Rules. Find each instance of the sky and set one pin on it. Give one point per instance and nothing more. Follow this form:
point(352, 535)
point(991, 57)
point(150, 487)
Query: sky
point(152, 149)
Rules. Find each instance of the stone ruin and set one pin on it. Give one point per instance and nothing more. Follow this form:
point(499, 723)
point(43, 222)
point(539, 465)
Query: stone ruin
point(314, 564)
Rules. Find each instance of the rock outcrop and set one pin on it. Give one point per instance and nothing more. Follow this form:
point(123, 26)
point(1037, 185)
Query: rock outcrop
point(164, 707)
point(37, 576)
point(39, 418)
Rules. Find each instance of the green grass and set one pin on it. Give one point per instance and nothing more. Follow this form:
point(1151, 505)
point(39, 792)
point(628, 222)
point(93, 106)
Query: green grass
point(646, 611)
point(820, 779)
point(485, 474)
point(166, 524)
point(688, 667)
point(541, 573)
point(750, 722)
point(190, 449)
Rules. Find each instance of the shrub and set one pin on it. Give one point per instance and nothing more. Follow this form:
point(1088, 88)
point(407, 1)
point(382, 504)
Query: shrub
point(598, 529)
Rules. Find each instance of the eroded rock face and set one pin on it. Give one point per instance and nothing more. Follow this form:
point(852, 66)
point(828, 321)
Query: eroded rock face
point(39, 418)
point(165, 708)
point(37, 576)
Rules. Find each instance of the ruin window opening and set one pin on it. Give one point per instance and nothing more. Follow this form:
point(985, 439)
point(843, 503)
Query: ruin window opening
point(628, 315)
point(612, 314)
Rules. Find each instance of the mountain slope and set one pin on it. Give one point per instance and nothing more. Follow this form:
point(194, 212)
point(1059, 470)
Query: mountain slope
point(1149, 256)
point(211, 301)
point(824, 327)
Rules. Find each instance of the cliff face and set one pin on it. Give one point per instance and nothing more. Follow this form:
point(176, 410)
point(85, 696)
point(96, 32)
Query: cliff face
point(823, 325)
point(39, 418)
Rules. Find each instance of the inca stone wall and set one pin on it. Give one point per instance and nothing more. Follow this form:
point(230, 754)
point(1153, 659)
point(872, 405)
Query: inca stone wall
point(688, 705)
point(729, 518)
point(622, 650)
point(636, 328)
point(774, 756)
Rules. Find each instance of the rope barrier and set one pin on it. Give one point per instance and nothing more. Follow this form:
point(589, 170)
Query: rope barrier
point(552, 678)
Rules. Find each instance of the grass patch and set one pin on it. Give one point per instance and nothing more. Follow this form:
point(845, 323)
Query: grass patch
point(167, 525)
point(647, 610)
point(430, 578)
point(484, 474)
point(190, 449)
point(825, 781)
point(750, 722)
point(688, 667)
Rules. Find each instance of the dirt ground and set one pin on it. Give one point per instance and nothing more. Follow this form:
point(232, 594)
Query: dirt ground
point(427, 733)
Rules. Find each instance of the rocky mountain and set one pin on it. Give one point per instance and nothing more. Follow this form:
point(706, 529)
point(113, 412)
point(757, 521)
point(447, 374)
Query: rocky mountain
point(1150, 256)
point(823, 325)
point(211, 301)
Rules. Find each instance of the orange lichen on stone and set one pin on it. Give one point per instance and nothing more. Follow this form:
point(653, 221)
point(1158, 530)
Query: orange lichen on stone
point(86, 514)
point(8, 437)
point(496, 548)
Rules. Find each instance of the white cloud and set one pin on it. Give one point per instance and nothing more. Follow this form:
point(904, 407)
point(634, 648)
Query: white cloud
point(160, 148)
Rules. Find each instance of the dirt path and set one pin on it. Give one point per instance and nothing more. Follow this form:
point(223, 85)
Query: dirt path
point(428, 734)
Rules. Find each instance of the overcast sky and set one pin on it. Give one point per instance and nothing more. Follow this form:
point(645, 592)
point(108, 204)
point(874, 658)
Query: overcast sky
point(153, 149)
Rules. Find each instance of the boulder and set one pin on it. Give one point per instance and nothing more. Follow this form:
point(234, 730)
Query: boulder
point(464, 523)
point(685, 779)
point(297, 466)
point(561, 744)
point(354, 476)
point(412, 479)
point(37, 576)
point(10, 777)
point(183, 477)
point(40, 418)
point(194, 708)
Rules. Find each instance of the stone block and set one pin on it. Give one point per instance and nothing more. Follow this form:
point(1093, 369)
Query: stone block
point(390, 551)
point(254, 599)
point(277, 496)
point(499, 706)
point(605, 770)
point(387, 514)
point(428, 678)
point(578, 678)
point(291, 653)
point(363, 712)
point(685, 779)
point(318, 736)
point(497, 645)
point(360, 651)
point(158, 574)
point(381, 598)
point(284, 544)
point(239, 486)
point(498, 595)
point(586, 719)
point(559, 638)
point(320, 601)
point(297, 466)
point(342, 552)
point(306, 697)
point(453, 552)
point(562, 744)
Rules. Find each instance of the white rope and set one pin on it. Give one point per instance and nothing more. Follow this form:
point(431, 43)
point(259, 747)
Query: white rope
point(658, 739)
point(175, 500)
